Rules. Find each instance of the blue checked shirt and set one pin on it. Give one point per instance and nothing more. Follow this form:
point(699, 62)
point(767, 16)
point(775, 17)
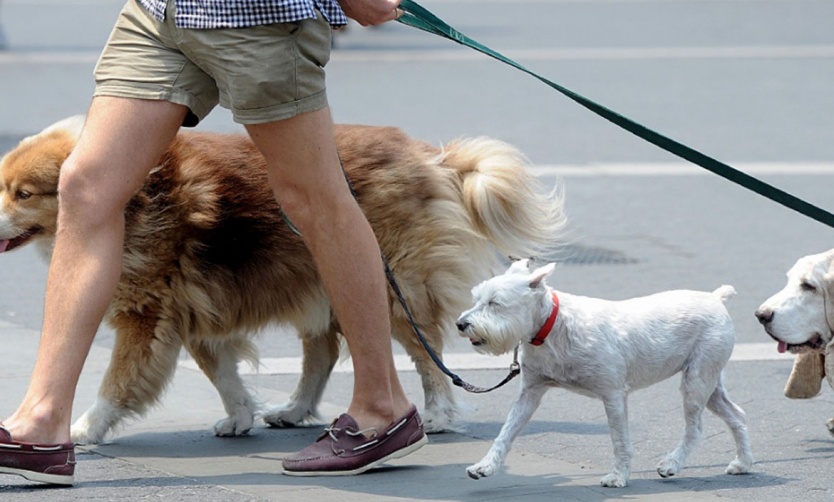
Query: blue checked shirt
point(205, 14)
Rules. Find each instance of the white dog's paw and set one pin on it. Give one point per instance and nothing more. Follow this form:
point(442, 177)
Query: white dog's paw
point(238, 425)
point(668, 467)
point(738, 466)
point(481, 470)
point(290, 415)
point(830, 425)
point(614, 480)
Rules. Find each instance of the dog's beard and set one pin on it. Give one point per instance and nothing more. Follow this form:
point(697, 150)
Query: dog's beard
point(495, 338)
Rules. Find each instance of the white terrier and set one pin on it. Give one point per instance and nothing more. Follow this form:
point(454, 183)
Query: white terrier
point(606, 349)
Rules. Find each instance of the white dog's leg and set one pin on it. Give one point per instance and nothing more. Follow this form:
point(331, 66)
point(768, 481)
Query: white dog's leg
point(220, 366)
point(519, 415)
point(696, 387)
point(616, 409)
point(321, 352)
point(720, 404)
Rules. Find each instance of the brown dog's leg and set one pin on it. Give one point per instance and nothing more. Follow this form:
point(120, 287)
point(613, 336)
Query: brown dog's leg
point(143, 360)
point(321, 352)
point(219, 363)
point(441, 410)
point(806, 376)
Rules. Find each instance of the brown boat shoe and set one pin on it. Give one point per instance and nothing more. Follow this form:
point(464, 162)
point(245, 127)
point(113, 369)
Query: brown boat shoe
point(343, 450)
point(53, 464)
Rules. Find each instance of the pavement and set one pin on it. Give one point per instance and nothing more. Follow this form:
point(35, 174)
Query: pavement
point(746, 82)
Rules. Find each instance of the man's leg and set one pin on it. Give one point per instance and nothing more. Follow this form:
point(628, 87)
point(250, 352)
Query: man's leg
point(307, 179)
point(122, 140)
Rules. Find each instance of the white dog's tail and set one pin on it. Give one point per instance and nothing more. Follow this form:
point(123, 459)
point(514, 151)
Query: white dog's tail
point(725, 292)
point(506, 203)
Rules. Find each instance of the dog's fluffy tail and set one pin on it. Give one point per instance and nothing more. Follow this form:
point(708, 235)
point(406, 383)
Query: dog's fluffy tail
point(724, 292)
point(506, 203)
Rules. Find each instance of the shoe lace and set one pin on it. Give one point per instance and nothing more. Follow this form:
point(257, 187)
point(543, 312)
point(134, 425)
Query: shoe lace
point(333, 431)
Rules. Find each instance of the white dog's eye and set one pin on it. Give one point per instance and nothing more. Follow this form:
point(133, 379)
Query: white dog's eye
point(807, 286)
point(493, 303)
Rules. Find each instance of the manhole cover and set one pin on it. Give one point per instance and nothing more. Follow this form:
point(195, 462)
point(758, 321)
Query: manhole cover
point(578, 254)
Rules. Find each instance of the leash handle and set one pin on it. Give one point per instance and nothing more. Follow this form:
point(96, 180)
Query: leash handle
point(419, 17)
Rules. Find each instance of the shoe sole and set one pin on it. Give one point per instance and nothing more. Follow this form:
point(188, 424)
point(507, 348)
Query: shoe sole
point(391, 456)
point(39, 477)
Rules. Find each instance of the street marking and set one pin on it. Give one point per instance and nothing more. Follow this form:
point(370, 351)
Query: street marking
point(679, 169)
point(584, 53)
point(460, 361)
point(459, 55)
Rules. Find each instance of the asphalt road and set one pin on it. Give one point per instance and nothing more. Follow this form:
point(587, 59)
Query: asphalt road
point(748, 83)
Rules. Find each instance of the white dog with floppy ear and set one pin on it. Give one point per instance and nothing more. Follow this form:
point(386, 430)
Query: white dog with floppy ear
point(605, 349)
point(800, 317)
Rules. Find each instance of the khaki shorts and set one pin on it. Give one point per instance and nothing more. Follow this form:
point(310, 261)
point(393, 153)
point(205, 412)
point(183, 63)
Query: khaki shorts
point(261, 73)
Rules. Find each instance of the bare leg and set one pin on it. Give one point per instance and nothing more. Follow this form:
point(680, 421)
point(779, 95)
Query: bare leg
point(306, 177)
point(122, 140)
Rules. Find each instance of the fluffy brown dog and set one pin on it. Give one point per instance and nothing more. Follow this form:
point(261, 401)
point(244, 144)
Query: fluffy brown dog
point(208, 259)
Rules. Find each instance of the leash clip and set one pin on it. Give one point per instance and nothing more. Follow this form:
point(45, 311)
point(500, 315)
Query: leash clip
point(515, 368)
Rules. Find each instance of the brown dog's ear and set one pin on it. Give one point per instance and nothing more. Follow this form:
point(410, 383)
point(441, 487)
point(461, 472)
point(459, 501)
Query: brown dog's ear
point(806, 376)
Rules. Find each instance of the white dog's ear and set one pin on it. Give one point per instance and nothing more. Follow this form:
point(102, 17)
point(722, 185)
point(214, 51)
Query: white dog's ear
point(540, 274)
point(519, 267)
point(828, 292)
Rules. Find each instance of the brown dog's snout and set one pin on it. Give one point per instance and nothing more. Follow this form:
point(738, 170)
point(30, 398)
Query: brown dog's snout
point(764, 315)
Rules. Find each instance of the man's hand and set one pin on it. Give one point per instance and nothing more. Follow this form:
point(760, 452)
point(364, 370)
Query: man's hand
point(371, 12)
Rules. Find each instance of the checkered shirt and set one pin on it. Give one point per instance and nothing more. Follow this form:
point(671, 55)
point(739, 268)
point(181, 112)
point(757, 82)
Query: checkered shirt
point(205, 14)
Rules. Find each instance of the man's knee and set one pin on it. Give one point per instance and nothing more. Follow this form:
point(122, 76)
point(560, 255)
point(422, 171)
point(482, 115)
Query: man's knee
point(87, 196)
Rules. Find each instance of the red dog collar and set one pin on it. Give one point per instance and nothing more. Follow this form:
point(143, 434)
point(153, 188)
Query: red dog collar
point(542, 334)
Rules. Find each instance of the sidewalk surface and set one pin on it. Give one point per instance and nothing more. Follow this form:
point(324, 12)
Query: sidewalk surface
point(747, 82)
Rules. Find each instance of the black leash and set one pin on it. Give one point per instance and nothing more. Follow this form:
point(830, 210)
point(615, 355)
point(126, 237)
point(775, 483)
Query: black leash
point(418, 17)
point(515, 368)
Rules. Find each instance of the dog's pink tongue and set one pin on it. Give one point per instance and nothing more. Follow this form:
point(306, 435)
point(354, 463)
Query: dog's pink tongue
point(782, 347)
point(3, 245)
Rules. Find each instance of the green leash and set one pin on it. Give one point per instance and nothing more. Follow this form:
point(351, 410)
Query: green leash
point(418, 17)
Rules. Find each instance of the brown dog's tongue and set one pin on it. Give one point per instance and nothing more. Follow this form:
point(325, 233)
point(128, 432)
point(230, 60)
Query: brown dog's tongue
point(3, 245)
point(782, 347)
